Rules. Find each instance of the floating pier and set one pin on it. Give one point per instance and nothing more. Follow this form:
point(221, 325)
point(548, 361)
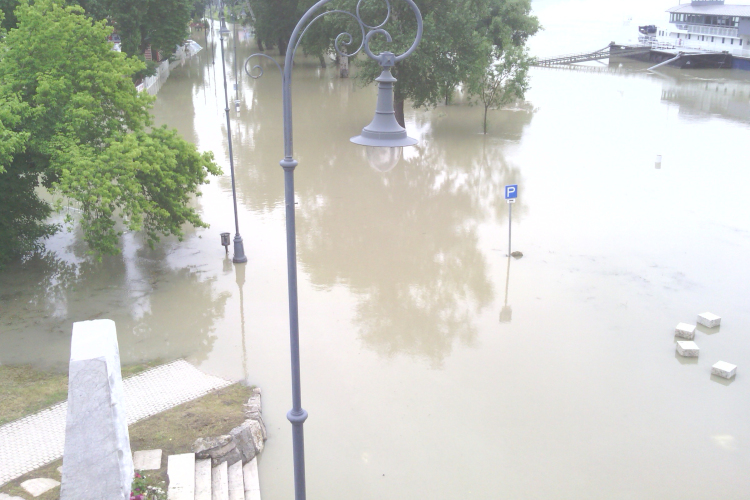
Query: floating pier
point(659, 53)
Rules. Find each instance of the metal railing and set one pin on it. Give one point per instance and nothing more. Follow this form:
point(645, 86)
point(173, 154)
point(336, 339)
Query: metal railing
point(596, 55)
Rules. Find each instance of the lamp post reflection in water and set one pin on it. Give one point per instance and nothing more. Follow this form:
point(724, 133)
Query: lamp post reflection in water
point(383, 132)
point(239, 274)
point(506, 313)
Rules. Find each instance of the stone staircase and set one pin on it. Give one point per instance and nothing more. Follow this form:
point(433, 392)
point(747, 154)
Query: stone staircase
point(195, 479)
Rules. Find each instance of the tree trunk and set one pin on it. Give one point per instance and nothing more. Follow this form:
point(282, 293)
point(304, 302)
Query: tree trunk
point(322, 61)
point(485, 119)
point(260, 44)
point(282, 47)
point(398, 106)
point(344, 67)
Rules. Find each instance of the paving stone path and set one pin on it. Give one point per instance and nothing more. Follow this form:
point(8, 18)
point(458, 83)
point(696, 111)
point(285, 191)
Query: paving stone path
point(39, 439)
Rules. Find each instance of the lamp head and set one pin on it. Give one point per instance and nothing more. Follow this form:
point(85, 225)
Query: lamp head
point(384, 132)
point(223, 30)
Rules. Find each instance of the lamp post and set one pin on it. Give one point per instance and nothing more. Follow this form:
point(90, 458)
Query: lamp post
point(239, 247)
point(383, 137)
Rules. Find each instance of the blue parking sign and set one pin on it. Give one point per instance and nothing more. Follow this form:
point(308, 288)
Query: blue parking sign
point(511, 192)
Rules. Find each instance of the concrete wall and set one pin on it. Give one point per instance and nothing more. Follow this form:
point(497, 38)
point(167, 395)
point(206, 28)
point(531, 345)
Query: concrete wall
point(744, 28)
point(152, 84)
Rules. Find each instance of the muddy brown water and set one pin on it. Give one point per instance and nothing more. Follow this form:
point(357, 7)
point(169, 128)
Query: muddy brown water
point(423, 373)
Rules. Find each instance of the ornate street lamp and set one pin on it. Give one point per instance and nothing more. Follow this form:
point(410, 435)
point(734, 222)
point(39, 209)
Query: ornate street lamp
point(383, 137)
point(239, 247)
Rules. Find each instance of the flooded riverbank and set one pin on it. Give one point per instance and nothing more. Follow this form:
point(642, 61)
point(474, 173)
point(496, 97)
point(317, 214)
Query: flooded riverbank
point(424, 375)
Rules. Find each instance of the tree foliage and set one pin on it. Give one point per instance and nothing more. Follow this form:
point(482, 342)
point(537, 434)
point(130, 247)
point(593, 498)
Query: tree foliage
point(504, 80)
point(163, 24)
point(72, 121)
point(459, 38)
point(274, 24)
point(160, 23)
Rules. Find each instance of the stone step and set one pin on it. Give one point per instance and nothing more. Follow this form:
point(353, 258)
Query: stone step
point(252, 483)
point(236, 482)
point(181, 472)
point(219, 482)
point(203, 479)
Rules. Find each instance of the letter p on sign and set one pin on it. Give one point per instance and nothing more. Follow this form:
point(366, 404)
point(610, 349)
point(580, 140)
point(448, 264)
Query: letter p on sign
point(511, 192)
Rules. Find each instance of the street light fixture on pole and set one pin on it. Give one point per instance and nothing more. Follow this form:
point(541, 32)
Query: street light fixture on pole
point(384, 138)
point(239, 247)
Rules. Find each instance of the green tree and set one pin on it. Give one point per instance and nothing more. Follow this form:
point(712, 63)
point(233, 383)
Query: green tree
point(274, 24)
point(459, 37)
point(72, 121)
point(163, 24)
point(160, 23)
point(505, 79)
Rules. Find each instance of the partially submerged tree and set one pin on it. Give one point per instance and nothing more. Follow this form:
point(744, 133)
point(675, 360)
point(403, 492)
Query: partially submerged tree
point(505, 79)
point(459, 37)
point(72, 121)
point(274, 22)
point(163, 24)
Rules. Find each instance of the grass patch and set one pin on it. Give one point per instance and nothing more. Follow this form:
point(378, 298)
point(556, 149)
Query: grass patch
point(25, 390)
point(173, 431)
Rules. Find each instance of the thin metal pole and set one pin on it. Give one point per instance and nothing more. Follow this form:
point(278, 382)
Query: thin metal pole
point(236, 77)
point(205, 28)
point(239, 248)
point(211, 26)
point(296, 415)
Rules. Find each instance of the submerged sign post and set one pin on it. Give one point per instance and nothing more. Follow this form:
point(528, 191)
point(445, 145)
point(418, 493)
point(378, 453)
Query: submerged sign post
point(511, 194)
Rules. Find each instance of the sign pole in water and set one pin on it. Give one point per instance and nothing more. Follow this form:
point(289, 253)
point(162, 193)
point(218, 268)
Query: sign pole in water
point(511, 193)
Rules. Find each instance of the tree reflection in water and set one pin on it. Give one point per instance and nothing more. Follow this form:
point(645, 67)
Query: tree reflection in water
point(160, 312)
point(407, 244)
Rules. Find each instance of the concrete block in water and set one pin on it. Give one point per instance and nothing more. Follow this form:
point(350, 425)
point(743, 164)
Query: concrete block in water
point(724, 370)
point(97, 462)
point(709, 320)
point(685, 331)
point(688, 349)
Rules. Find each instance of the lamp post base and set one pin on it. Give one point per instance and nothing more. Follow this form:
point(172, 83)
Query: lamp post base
point(239, 251)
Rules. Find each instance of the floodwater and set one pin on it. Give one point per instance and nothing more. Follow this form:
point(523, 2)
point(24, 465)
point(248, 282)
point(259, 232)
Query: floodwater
point(433, 366)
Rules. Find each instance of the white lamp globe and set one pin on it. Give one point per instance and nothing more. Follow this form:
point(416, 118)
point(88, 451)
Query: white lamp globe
point(383, 159)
